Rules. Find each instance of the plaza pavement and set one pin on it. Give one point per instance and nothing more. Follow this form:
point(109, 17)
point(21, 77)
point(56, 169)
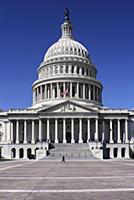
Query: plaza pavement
point(53, 180)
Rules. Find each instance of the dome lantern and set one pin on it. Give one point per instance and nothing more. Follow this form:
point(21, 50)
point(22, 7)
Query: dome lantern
point(66, 27)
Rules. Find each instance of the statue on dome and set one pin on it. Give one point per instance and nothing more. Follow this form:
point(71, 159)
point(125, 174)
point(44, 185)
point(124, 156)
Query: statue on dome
point(66, 14)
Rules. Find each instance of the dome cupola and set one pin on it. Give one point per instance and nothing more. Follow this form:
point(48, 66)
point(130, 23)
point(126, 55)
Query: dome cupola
point(66, 45)
point(66, 27)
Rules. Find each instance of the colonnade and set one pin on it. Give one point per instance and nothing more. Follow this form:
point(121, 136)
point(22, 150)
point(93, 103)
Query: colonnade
point(67, 90)
point(52, 70)
point(125, 133)
point(38, 132)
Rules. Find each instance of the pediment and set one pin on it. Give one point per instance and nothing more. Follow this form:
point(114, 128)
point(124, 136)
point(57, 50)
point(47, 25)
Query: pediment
point(68, 107)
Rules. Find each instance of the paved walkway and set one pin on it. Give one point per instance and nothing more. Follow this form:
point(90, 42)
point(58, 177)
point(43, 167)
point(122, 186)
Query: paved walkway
point(93, 180)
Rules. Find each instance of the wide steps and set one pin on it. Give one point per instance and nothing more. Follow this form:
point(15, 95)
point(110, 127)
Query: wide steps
point(70, 151)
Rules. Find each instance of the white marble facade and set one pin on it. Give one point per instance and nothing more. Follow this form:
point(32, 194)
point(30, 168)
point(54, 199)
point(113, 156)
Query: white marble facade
point(67, 108)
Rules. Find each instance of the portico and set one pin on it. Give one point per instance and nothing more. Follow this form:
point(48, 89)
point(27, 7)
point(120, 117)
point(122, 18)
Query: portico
point(65, 129)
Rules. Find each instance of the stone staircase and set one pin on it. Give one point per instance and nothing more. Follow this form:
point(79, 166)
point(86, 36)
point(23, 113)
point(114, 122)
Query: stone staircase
point(70, 151)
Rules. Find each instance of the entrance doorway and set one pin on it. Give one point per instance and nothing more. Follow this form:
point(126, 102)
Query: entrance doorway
point(68, 137)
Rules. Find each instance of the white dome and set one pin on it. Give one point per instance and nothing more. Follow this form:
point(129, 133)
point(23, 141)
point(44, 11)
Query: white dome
point(66, 46)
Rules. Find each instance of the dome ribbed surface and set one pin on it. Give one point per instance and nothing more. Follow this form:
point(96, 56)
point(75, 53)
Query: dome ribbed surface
point(66, 46)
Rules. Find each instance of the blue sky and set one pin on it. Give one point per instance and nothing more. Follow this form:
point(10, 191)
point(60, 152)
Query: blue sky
point(29, 27)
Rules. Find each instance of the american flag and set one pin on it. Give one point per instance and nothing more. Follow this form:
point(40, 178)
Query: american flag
point(64, 93)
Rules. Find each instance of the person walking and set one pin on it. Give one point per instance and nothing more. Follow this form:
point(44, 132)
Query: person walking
point(63, 159)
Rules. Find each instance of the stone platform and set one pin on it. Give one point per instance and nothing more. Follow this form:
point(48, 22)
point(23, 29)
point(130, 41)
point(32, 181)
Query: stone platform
point(90, 180)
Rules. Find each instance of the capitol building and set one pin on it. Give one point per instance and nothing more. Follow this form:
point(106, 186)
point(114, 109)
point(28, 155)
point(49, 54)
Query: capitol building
point(67, 110)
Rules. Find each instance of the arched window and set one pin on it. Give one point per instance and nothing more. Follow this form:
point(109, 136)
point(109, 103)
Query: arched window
point(91, 92)
point(78, 70)
point(107, 153)
point(115, 152)
point(82, 53)
point(61, 69)
point(36, 149)
point(47, 71)
point(79, 52)
point(123, 152)
point(29, 152)
point(72, 69)
point(56, 70)
point(67, 69)
point(51, 70)
point(82, 70)
point(66, 49)
point(21, 153)
point(75, 51)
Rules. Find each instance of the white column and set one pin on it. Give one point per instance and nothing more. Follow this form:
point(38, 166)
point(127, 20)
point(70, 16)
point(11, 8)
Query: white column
point(25, 154)
point(119, 134)
point(111, 153)
point(58, 69)
point(64, 69)
point(89, 92)
point(75, 69)
point(64, 130)
point(45, 91)
point(80, 131)
point(72, 131)
point(48, 91)
point(80, 71)
point(83, 90)
point(33, 151)
point(41, 93)
point(48, 135)
point(119, 153)
point(70, 67)
point(17, 153)
point(56, 131)
point(40, 130)
point(6, 134)
point(111, 131)
point(103, 131)
point(77, 90)
point(51, 91)
point(11, 132)
point(96, 130)
point(17, 132)
point(37, 95)
point(126, 131)
point(25, 132)
point(93, 92)
point(88, 130)
point(33, 139)
point(71, 90)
